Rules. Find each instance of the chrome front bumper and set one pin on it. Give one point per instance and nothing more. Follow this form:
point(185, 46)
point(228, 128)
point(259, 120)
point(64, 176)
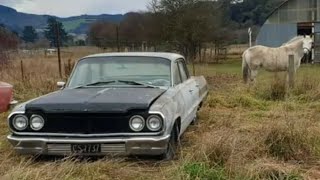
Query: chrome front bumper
point(117, 146)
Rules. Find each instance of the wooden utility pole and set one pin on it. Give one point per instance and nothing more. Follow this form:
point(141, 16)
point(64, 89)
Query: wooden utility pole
point(291, 71)
point(118, 43)
point(57, 36)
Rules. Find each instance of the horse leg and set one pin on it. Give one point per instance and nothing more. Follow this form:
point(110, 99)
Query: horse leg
point(253, 75)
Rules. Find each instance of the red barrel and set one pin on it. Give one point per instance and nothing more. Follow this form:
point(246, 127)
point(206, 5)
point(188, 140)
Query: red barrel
point(6, 91)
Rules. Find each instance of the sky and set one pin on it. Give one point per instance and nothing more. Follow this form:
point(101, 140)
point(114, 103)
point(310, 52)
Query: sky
point(65, 8)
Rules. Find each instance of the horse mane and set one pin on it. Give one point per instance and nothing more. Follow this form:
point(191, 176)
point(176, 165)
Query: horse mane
point(293, 40)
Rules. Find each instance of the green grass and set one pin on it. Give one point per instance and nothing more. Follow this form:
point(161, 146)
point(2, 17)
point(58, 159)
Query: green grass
point(73, 24)
point(203, 171)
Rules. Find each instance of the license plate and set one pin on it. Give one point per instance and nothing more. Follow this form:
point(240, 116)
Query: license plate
point(85, 148)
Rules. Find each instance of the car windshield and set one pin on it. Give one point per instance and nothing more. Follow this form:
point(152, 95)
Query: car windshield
point(133, 71)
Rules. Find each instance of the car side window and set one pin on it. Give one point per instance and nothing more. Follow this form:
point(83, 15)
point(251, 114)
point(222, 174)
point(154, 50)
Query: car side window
point(176, 76)
point(183, 71)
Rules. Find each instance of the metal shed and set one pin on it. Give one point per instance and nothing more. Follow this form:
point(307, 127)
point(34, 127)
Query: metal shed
point(292, 18)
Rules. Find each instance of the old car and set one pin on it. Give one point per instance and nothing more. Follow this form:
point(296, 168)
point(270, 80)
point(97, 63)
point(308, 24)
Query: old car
point(6, 97)
point(114, 103)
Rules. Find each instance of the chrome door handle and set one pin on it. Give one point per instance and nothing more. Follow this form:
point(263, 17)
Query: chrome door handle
point(191, 90)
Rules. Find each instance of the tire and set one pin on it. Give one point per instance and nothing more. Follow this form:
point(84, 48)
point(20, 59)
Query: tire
point(194, 121)
point(171, 152)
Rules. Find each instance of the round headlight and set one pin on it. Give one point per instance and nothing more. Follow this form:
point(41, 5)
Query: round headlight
point(137, 123)
point(20, 122)
point(36, 122)
point(154, 123)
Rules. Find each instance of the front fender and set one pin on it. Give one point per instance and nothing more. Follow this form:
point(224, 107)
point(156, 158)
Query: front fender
point(169, 106)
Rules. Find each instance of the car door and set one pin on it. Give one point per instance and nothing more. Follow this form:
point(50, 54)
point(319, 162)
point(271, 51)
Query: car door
point(189, 92)
point(193, 86)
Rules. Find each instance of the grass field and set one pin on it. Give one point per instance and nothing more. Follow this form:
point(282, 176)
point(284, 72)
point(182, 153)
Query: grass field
point(73, 24)
point(259, 132)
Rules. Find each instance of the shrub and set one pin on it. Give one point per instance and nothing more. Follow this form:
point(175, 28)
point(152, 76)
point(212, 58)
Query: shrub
point(273, 90)
point(244, 100)
point(291, 140)
point(269, 169)
point(278, 89)
point(306, 84)
point(247, 101)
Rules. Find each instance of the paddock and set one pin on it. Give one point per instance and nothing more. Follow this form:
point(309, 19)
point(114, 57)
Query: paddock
point(290, 19)
point(254, 132)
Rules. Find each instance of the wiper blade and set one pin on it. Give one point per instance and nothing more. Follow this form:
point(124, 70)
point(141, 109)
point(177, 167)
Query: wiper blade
point(115, 81)
point(137, 83)
point(95, 83)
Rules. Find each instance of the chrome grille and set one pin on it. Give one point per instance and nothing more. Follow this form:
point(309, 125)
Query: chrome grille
point(65, 149)
point(59, 149)
point(113, 148)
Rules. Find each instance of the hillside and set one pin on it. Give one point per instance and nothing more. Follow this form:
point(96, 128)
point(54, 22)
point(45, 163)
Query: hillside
point(78, 24)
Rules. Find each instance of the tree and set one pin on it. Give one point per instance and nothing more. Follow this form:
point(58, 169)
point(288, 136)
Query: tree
point(41, 43)
point(188, 24)
point(9, 41)
point(53, 29)
point(252, 12)
point(80, 42)
point(184, 25)
point(103, 34)
point(132, 27)
point(29, 34)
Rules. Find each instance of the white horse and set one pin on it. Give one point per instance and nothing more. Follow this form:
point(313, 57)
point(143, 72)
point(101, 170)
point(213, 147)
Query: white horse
point(274, 59)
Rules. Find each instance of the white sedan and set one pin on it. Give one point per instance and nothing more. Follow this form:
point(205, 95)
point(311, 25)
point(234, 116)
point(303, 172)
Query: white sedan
point(122, 103)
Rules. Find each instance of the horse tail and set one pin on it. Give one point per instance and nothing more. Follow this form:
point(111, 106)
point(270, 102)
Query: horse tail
point(245, 67)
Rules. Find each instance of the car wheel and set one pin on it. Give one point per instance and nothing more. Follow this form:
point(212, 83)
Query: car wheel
point(170, 154)
point(194, 121)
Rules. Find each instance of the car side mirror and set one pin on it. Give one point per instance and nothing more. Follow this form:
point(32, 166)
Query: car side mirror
point(61, 84)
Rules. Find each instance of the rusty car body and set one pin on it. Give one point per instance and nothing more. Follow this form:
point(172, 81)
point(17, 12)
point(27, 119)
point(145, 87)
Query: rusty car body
point(114, 103)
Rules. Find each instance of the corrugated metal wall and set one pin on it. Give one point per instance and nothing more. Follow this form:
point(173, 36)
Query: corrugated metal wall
point(317, 42)
point(274, 35)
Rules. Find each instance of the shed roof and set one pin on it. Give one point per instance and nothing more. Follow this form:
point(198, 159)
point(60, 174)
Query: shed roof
point(277, 8)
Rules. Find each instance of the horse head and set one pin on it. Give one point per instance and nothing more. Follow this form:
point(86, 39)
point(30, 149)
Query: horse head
point(307, 44)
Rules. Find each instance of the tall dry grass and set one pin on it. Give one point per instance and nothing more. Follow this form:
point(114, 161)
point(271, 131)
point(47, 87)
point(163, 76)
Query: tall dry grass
point(37, 74)
point(262, 132)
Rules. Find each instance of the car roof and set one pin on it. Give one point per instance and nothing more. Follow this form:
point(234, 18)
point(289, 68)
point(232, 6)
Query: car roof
point(170, 56)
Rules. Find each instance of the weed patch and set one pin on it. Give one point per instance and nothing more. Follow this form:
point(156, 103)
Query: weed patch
point(203, 171)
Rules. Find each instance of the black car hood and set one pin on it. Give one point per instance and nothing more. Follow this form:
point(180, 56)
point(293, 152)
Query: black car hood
point(101, 100)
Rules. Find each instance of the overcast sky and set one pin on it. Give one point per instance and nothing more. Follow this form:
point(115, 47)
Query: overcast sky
point(64, 8)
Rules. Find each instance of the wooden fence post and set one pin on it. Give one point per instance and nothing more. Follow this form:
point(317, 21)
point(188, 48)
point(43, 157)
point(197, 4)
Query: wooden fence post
point(291, 71)
point(22, 70)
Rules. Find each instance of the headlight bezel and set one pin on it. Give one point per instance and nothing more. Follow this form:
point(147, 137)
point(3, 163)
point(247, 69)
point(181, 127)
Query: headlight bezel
point(143, 123)
point(13, 122)
point(31, 122)
point(160, 122)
